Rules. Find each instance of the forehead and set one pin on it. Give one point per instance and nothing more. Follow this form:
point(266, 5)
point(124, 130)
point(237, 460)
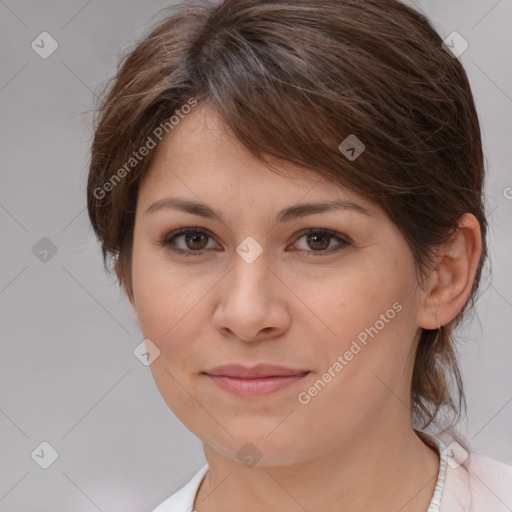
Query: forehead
point(201, 158)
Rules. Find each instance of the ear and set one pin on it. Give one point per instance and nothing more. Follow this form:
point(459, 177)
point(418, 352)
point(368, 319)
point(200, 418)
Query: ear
point(452, 281)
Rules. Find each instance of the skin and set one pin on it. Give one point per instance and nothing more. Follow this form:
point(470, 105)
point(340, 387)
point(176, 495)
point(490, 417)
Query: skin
point(352, 447)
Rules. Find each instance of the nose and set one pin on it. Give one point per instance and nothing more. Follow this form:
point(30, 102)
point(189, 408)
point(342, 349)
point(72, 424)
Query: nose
point(252, 302)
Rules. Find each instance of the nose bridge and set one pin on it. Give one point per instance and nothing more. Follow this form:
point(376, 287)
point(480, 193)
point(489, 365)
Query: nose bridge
point(247, 305)
point(248, 284)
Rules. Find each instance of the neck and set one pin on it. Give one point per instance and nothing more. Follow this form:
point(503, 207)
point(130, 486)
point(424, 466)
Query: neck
point(380, 468)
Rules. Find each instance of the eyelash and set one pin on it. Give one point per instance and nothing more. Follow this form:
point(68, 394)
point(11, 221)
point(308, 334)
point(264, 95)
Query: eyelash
point(167, 241)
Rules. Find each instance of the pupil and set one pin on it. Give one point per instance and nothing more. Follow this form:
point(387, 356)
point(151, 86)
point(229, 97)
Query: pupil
point(317, 235)
point(194, 237)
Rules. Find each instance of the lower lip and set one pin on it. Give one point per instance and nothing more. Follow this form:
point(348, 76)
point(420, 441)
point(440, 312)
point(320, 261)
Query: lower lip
point(255, 387)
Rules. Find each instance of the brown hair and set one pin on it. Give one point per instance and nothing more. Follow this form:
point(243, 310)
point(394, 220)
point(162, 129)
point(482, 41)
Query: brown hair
point(292, 79)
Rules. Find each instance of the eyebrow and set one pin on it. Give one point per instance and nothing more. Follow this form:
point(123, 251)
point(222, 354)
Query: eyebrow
point(287, 214)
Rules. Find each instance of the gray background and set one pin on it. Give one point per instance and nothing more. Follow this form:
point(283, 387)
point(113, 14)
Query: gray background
point(68, 375)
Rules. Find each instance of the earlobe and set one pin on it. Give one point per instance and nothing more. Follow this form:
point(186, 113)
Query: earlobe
point(453, 279)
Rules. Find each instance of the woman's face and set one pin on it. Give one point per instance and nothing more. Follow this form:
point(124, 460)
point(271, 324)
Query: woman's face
point(256, 286)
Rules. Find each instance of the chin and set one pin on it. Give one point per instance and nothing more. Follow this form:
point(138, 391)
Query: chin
point(256, 448)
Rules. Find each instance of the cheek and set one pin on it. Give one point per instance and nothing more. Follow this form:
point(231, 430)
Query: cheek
point(160, 296)
point(168, 308)
point(172, 307)
point(351, 301)
point(369, 311)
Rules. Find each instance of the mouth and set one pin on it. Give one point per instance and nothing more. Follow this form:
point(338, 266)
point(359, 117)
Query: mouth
point(259, 380)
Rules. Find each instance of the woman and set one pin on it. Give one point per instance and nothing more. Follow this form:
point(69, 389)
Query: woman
point(292, 196)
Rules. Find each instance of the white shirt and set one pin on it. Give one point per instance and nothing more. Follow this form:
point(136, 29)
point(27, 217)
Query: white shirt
point(485, 486)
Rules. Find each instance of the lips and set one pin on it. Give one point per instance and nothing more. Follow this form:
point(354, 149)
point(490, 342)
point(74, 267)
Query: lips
point(256, 381)
point(254, 372)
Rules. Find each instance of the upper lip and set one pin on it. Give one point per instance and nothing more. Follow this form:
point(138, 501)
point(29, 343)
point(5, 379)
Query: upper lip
point(260, 370)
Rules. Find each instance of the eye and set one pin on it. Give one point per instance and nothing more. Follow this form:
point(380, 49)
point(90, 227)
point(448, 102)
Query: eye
point(194, 241)
point(320, 240)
